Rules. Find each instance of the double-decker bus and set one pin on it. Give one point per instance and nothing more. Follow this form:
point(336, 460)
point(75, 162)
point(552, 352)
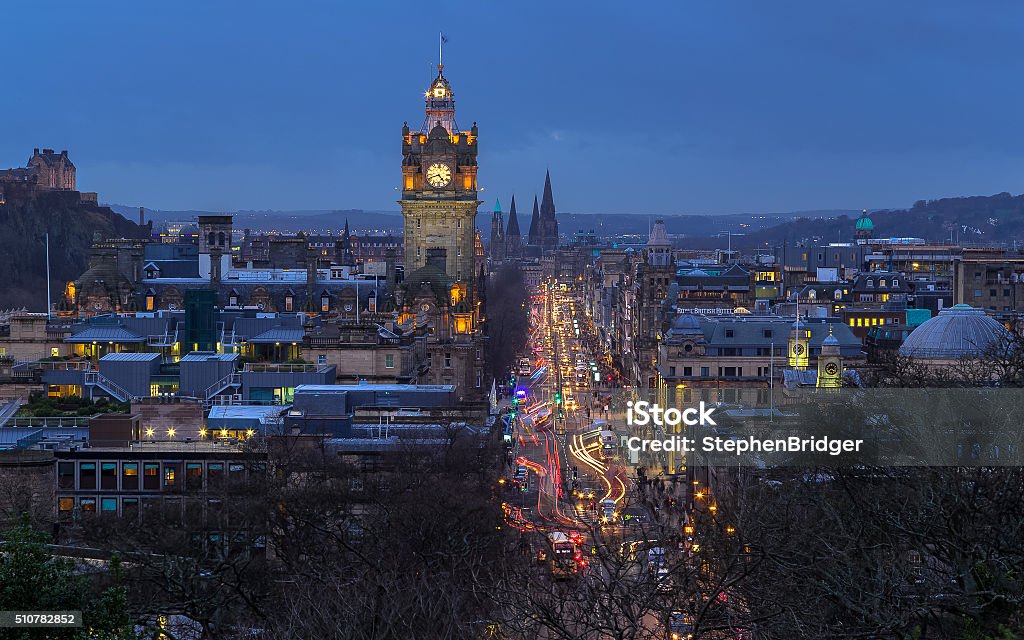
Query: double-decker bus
point(562, 555)
point(525, 366)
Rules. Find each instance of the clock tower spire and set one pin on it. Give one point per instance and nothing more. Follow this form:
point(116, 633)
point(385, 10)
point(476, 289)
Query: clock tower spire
point(440, 294)
point(439, 190)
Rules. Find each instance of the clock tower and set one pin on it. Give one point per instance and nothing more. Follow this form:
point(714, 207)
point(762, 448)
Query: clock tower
point(798, 343)
point(439, 190)
point(830, 363)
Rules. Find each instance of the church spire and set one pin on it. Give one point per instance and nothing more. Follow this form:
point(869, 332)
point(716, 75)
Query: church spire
point(513, 237)
point(547, 203)
point(348, 258)
point(497, 246)
point(549, 224)
point(513, 221)
point(536, 229)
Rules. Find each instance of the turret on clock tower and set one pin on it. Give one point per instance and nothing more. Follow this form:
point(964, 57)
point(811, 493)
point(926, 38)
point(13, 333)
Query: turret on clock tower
point(830, 363)
point(439, 190)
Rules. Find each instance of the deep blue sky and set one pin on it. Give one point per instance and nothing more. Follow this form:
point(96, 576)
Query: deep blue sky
point(647, 107)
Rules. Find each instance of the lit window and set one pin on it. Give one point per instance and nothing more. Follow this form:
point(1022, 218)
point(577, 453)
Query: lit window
point(389, 361)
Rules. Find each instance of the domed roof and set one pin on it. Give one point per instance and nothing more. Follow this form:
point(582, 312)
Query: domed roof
point(864, 222)
point(957, 332)
point(686, 322)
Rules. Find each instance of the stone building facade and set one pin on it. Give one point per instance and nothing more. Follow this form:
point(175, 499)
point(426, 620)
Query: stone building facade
point(45, 171)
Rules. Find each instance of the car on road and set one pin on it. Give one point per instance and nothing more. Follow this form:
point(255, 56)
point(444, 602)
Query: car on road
point(655, 558)
point(584, 494)
point(679, 626)
point(608, 512)
point(663, 581)
point(634, 517)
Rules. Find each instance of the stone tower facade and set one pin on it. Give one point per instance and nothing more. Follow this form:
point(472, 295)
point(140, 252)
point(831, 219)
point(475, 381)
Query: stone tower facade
point(830, 363)
point(497, 235)
point(439, 186)
point(543, 235)
point(513, 238)
point(214, 246)
point(549, 224)
point(53, 170)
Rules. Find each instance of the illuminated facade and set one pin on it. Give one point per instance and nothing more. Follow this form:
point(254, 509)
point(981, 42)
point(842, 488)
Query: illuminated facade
point(439, 186)
point(441, 293)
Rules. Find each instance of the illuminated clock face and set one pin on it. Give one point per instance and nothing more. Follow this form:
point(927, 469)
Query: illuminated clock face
point(438, 175)
point(831, 368)
point(798, 349)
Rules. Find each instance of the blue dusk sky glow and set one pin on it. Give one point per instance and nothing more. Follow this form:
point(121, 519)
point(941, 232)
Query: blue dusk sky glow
point(650, 108)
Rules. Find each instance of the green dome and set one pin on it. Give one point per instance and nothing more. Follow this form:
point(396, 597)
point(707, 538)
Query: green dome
point(864, 223)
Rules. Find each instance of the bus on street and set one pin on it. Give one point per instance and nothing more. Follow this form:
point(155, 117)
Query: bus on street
point(561, 555)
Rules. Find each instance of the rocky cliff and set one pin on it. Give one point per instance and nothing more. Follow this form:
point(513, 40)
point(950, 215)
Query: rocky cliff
point(71, 225)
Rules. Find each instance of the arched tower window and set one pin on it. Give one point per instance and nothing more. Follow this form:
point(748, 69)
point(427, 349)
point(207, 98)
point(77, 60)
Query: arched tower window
point(220, 239)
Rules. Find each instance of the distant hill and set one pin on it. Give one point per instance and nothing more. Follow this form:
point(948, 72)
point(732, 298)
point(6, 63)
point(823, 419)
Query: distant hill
point(71, 225)
point(975, 219)
point(995, 219)
point(690, 226)
point(317, 220)
point(569, 223)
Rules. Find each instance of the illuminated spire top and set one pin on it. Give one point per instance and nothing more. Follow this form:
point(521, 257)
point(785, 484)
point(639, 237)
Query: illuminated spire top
point(440, 99)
